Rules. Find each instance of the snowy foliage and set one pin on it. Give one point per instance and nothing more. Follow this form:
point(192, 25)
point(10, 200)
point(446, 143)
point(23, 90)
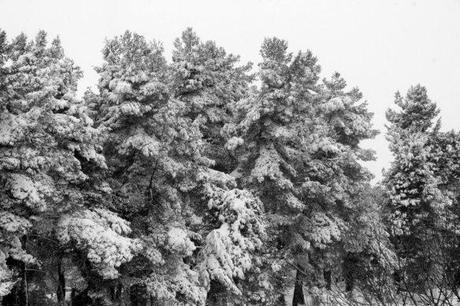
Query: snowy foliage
point(422, 193)
point(208, 81)
point(12, 228)
point(228, 251)
point(183, 281)
point(413, 180)
point(297, 140)
point(46, 141)
point(102, 235)
point(184, 182)
point(179, 241)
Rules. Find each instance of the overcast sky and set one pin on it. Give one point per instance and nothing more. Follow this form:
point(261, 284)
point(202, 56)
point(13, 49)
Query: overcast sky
point(378, 46)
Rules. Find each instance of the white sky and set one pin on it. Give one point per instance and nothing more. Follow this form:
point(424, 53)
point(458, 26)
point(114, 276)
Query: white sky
point(379, 46)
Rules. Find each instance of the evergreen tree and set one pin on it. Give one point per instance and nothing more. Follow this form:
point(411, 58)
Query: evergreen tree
point(297, 141)
point(46, 141)
point(154, 156)
point(159, 162)
point(422, 202)
point(209, 82)
point(411, 181)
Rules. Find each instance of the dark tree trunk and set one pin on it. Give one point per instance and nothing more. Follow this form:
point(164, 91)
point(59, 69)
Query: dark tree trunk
point(117, 293)
point(18, 295)
point(349, 264)
point(328, 279)
point(298, 298)
point(61, 284)
point(216, 294)
point(349, 282)
point(73, 294)
point(138, 295)
point(81, 298)
point(124, 296)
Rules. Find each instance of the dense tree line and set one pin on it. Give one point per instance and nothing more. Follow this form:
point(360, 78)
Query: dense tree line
point(202, 180)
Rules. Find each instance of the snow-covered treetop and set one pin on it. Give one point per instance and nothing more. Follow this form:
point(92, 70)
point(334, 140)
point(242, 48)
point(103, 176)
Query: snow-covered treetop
point(417, 110)
point(45, 132)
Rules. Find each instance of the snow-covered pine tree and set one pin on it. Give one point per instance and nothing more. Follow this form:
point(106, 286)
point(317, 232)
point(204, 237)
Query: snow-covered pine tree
point(422, 184)
point(47, 143)
point(153, 154)
point(345, 180)
point(209, 81)
point(445, 153)
point(411, 182)
point(159, 164)
point(297, 141)
point(264, 137)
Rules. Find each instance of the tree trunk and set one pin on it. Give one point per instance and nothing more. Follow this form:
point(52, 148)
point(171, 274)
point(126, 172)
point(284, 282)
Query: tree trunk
point(328, 279)
point(25, 286)
point(138, 295)
point(349, 282)
point(216, 295)
point(125, 296)
point(117, 295)
point(298, 298)
point(61, 284)
point(73, 294)
point(348, 266)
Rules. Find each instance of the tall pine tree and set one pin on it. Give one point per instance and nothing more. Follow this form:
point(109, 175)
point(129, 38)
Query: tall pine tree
point(48, 150)
point(297, 141)
point(422, 202)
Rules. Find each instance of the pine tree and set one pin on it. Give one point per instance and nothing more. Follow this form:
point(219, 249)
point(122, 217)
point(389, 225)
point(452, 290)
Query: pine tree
point(153, 154)
point(45, 138)
point(209, 82)
point(421, 199)
point(411, 180)
point(298, 146)
point(445, 152)
point(156, 117)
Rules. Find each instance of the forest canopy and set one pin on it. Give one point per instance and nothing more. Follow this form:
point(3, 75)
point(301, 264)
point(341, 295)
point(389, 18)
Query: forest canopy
point(204, 180)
